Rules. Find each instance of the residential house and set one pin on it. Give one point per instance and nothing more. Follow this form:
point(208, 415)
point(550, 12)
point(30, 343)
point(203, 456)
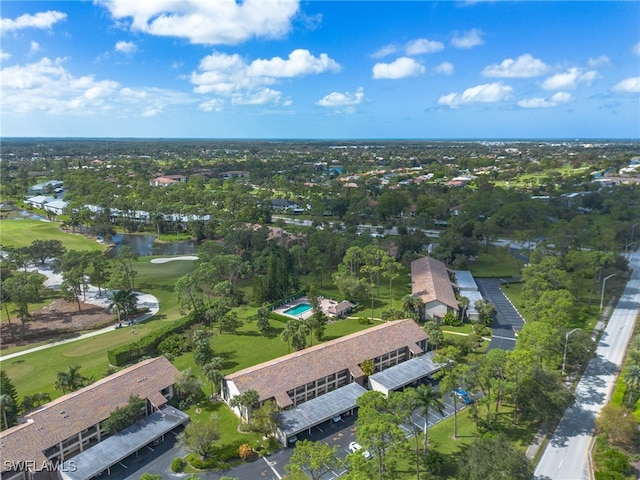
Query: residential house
point(39, 201)
point(45, 187)
point(431, 283)
point(234, 174)
point(166, 180)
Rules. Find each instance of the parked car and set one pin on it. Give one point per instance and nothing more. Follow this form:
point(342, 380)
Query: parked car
point(356, 447)
point(464, 396)
point(293, 440)
point(337, 419)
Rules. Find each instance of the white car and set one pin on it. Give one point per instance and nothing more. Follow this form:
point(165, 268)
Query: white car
point(356, 447)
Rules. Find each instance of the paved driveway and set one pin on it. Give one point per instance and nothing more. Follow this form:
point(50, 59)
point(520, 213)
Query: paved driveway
point(507, 319)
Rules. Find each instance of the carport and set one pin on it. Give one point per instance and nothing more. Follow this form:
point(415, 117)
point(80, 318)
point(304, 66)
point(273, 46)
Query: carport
point(318, 410)
point(116, 448)
point(404, 373)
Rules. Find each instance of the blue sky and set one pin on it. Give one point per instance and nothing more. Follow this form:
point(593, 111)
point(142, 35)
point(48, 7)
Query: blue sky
point(335, 69)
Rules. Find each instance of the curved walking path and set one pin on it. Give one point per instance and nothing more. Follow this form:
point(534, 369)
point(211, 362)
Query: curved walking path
point(93, 296)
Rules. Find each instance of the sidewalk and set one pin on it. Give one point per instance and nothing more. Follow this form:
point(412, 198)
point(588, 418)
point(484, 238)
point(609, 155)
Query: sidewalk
point(93, 297)
point(539, 438)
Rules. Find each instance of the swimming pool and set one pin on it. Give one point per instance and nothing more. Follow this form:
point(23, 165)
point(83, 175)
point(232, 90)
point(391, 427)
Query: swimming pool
point(299, 309)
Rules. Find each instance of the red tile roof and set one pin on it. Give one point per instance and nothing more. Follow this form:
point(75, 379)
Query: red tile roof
point(76, 411)
point(430, 282)
point(274, 378)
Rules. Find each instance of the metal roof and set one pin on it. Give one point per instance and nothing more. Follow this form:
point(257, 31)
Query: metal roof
point(119, 446)
point(319, 409)
point(465, 280)
point(406, 372)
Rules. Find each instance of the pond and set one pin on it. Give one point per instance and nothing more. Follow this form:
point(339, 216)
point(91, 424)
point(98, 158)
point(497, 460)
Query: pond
point(9, 212)
point(145, 245)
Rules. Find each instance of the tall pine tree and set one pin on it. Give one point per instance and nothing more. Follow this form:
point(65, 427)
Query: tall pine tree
point(9, 401)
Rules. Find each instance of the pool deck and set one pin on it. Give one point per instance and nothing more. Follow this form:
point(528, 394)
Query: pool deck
point(325, 304)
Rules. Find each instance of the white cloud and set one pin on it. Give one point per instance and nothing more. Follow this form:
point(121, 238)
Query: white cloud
point(601, 61)
point(384, 51)
point(152, 111)
point(245, 83)
point(4, 55)
point(569, 79)
point(300, 62)
point(555, 100)
point(399, 68)
point(422, 45)
point(47, 86)
point(213, 105)
point(262, 97)
point(343, 103)
point(636, 49)
point(525, 66)
point(486, 93)
point(628, 85)
point(445, 68)
point(34, 47)
point(469, 39)
point(41, 20)
point(126, 47)
point(207, 22)
point(419, 46)
point(337, 99)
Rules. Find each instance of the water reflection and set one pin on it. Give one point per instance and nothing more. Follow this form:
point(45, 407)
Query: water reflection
point(145, 245)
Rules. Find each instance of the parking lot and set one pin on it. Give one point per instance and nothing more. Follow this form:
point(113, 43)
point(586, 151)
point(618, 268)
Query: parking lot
point(343, 432)
point(157, 460)
point(507, 320)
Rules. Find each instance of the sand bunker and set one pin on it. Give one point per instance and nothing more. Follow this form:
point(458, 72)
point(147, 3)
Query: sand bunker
point(165, 260)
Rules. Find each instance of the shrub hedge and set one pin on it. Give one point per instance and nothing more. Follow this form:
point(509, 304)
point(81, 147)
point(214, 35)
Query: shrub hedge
point(147, 345)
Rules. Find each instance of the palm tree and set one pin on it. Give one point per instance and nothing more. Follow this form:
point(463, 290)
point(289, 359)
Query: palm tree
point(289, 332)
point(632, 379)
point(463, 302)
point(426, 399)
point(123, 301)
point(246, 402)
point(70, 380)
point(434, 332)
point(633, 357)
point(211, 371)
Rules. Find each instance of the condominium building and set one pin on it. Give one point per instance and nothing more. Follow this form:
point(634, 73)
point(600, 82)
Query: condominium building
point(72, 425)
point(310, 373)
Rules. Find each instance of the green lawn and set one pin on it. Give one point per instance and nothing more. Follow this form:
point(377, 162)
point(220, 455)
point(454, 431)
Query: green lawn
point(247, 347)
point(441, 440)
point(91, 354)
point(227, 421)
point(496, 262)
point(583, 316)
point(20, 233)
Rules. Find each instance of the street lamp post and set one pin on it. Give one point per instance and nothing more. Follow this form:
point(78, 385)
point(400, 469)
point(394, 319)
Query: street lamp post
point(604, 282)
point(566, 341)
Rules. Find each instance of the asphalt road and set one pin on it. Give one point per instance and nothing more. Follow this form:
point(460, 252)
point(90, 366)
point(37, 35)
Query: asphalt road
point(507, 320)
point(566, 455)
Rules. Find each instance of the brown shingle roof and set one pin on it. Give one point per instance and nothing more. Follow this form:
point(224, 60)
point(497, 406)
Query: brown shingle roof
point(274, 378)
point(340, 308)
point(66, 416)
point(430, 282)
